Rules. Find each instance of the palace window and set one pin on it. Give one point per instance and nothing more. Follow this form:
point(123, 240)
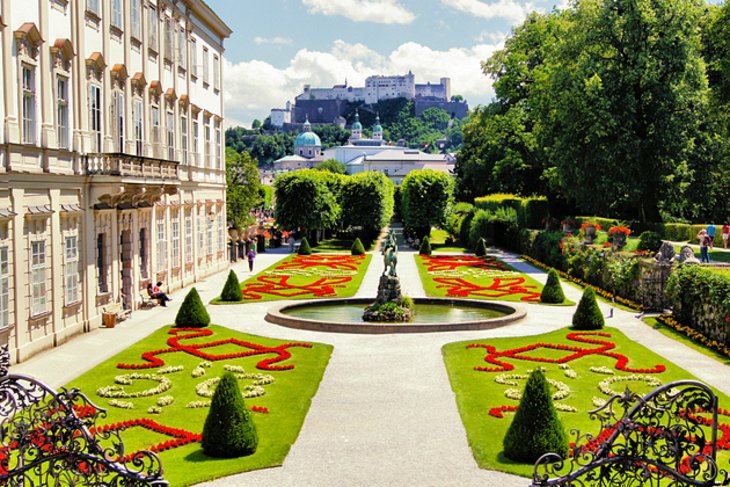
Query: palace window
point(152, 28)
point(210, 235)
point(193, 58)
point(95, 115)
point(117, 14)
point(136, 18)
point(196, 127)
point(161, 243)
point(175, 240)
point(184, 138)
point(171, 135)
point(216, 73)
point(71, 271)
point(155, 117)
point(218, 148)
point(188, 237)
point(38, 277)
point(138, 120)
point(118, 120)
point(208, 161)
point(182, 48)
point(201, 234)
point(205, 66)
point(62, 111)
point(143, 254)
point(169, 39)
point(29, 116)
point(93, 7)
point(101, 264)
point(4, 287)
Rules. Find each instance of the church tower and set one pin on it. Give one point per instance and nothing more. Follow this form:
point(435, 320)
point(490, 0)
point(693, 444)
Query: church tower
point(356, 128)
point(377, 129)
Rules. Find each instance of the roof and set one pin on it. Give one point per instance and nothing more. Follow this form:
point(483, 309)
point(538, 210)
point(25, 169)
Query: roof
point(293, 158)
point(307, 139)
point(410, 155)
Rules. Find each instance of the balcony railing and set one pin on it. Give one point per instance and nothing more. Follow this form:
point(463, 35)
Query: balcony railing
point(126, 165)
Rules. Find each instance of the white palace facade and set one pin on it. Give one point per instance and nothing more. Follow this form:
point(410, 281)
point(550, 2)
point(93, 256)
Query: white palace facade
point(112, 171)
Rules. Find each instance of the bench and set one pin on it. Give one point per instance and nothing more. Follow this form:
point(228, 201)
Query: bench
point(118, 310)
point(146, 301)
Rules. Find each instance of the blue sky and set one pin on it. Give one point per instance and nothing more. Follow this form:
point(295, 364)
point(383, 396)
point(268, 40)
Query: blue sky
point(277, 46)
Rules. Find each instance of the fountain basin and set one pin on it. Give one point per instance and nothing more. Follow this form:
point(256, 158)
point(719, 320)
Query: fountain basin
point(432, 315)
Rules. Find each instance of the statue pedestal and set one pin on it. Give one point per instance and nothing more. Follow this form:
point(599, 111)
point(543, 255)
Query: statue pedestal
point(387, 306)
point(388, 289)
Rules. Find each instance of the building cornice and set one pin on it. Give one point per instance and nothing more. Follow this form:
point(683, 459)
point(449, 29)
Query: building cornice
point(209, 18)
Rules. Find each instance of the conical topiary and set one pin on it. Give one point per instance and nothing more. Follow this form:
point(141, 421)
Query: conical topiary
point(588, 316)
point(192, 312)
point(481, 249)
point(553, 291)
point(229, 431)
point(357, 247)
point(232, 289)
point(304, 248)
point(536, 428)
point(425, 248)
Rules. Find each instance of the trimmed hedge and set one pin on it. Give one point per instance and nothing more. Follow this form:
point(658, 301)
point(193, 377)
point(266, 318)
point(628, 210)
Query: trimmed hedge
point(425, 248)
point(530, 211)
point(649, 241)
point(481, 249)
point(304, 248)
point(232, 289)
point(588, 316)
point(229, 431)
point(536, 428)
point(192, 312)
point(552, 292)
point(357, 247)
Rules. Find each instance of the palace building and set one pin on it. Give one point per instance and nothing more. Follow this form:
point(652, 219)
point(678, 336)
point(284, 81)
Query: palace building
point(112, 160)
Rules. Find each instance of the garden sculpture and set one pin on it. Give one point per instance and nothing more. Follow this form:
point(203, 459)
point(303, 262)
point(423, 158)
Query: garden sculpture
point(390, 255)
point(666, 253)
point(687, 256)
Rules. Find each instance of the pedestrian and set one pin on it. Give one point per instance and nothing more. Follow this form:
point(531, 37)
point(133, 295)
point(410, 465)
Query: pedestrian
point(251, 257)
point(725, 234)
point(711, 233)
point(155, 292)
point(291, 241)
point(704, 246)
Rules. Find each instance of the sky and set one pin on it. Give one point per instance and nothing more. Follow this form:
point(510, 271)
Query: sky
point(278, 46)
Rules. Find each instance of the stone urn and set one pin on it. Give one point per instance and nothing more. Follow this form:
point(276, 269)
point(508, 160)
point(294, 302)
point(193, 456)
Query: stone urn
point(590, 233)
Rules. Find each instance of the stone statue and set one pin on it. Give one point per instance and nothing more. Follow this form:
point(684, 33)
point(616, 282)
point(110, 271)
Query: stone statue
point(687, 256)
point(666, 253)
point(390, 255)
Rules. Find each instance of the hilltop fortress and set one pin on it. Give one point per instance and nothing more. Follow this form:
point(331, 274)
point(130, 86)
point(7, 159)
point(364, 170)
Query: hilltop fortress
point(328, 105)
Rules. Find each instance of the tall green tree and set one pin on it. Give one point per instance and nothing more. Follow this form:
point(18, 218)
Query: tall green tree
point(242, 193)
point(367, 201)
point(304, 200)
point(426, 196)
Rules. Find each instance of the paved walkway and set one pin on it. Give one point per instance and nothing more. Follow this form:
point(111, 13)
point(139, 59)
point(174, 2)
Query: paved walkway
point(384, 413)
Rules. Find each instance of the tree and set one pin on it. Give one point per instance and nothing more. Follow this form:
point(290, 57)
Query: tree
point(232, 288)
point(425, 248)
point(536, 428)
point(436, 118)
point(425, 199)
point(367, 201)
point(304, 248)
point(357, 247)
point(256, 124)
point(192, 312)
point(552, 292)
point(229, 430)
point(304, 200)
point(242, 194)
point(331, 165)
point(588, 315)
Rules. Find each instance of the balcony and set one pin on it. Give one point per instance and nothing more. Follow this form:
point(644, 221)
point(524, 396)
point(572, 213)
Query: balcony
point(132, 167)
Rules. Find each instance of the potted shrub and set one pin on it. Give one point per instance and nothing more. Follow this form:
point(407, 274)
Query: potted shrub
point(618, 236)
point(568, 225)
point(589, 231)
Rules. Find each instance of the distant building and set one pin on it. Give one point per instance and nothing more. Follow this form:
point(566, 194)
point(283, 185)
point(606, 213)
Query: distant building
point(325, 105)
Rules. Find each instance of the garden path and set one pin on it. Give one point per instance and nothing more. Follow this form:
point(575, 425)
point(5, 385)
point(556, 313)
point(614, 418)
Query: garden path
point(384, 413)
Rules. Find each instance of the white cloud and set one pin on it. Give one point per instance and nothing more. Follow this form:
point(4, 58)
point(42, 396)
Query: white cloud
point(277, 41)
point(378, 11)
point(512, 10)
point(253, 88)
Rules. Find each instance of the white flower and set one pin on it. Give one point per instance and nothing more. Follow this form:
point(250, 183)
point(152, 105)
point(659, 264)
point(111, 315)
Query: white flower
point(171, 369)
point(154, 410)
point(605, 385)
point(127, 379)
point(121, 404)
point(165, 401)
point(602, 370)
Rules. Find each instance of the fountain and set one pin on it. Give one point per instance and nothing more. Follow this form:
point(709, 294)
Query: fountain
point(391, 312)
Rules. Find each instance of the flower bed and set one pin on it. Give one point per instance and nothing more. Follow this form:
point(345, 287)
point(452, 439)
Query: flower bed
point(465, 276)
point(145, 405)
point(583, 369)
point(307, 277)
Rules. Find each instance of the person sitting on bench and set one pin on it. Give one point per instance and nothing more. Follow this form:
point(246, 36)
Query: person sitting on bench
point(156, 293)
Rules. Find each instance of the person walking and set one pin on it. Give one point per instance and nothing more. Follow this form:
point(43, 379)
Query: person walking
point(711, 233)
point(704, 246)
point(725, 234)
point(251, 257)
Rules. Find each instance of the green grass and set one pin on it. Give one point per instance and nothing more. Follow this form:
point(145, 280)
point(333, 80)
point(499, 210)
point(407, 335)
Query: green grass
point(481, 278)
point(438, 242)
point(288, 400)
point(336, 245)
point(715, 255)
point(476, 392)
point(335, 279)
point(685, 340)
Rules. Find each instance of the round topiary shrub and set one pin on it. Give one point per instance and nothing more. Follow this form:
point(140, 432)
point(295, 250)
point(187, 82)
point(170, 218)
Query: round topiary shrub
point(649, 241)
point(481, 249)
point(232, 289)
point(357, 247)
point(553, 291)
point(229, 431)
point(192, 312)
point(536, 428)
point(425, 248)
point(588, 316)
point(304, 248)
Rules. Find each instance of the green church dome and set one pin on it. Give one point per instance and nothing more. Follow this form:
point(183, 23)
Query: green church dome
point(307, 139)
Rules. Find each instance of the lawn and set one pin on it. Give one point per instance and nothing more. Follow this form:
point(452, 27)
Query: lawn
point(481, 395)
point(467, 276)
point(715, 255)
point(438, 242)
point(308, 277)
point(279, 407)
